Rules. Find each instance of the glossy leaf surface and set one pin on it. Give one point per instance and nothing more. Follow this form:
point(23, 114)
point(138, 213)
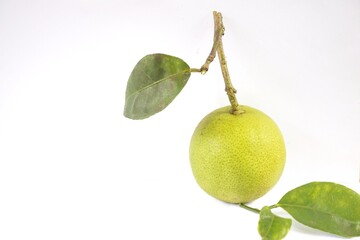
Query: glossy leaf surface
point(326, 206)
point(153, 84)
point(272, 227)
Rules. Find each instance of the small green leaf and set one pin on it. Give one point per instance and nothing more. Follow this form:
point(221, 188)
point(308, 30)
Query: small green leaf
point(272, 227)
point(153, 84)
point(326, 206)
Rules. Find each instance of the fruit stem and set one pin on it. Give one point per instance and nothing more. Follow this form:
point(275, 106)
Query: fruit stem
point(218, 32)
point(255, 210)
point(218, 49)
point(229, 88)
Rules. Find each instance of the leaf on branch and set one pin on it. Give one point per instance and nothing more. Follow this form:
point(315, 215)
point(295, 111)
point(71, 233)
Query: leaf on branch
point(326, 206)
point(272, 227)
point(153, 84)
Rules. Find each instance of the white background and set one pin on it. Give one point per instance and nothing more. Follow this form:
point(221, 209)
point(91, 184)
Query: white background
point(72, 167)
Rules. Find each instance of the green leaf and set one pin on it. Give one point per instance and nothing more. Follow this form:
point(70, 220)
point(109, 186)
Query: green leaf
point(153, 84)
point(272, 227)
point(326, 206)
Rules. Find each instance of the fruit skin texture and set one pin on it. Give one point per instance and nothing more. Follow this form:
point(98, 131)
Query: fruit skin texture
point(237, 158)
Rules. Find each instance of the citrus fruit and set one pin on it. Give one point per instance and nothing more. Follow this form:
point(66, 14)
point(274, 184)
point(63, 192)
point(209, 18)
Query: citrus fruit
point(237, 158)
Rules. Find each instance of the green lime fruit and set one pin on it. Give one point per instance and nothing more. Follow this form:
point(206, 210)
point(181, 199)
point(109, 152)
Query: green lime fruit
point(237, 158)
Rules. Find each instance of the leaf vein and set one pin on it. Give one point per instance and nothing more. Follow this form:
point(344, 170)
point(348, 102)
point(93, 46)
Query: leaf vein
point(156, 82)
point(318, 210)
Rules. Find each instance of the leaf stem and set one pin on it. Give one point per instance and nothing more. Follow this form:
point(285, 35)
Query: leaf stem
point(195, 70)
point(255, 210)
point(274, 206)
